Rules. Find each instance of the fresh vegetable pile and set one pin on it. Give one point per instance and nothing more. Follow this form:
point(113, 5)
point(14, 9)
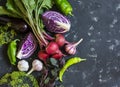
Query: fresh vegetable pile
point(43, 29)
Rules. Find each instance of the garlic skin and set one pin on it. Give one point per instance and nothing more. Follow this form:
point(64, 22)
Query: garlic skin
point(37, 65)
point(70, 49)
point(23, 65)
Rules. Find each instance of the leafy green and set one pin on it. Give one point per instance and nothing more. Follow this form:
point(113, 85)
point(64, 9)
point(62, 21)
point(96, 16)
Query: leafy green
point(4, 11)
point(6, 34)
point(11, 7)
point(19, 79)
point(54, 62)
point(30, 11)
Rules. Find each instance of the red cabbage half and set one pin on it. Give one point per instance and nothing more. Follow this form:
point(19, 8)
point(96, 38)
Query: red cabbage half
point(56, 22)
point(27, 46)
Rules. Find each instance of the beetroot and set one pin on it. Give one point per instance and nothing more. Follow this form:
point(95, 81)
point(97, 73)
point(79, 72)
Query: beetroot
point(52, 48)
point(57, 55)
point(60, 39)
point(43, 55)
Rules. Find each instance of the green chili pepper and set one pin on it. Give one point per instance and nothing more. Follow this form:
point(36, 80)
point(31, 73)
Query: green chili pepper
point(11, 51)
point(68, 64)
point(64, 6)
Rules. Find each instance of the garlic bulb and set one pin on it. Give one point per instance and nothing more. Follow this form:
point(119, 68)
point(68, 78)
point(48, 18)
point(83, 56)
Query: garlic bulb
point(23, 65)
point(37, 65)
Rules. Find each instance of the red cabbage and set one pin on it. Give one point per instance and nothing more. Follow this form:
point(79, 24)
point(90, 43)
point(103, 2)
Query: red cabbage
point(27, 46)
point(56, 22)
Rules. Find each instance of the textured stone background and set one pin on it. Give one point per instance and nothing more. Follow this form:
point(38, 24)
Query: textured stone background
point(98, 23)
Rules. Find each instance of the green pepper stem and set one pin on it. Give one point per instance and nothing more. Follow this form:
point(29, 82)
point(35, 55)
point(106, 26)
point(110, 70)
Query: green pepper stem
point(83, 60)
point(70, 13)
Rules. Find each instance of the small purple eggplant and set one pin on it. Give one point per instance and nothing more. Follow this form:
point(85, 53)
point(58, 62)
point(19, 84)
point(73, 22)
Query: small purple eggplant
point(17, 24)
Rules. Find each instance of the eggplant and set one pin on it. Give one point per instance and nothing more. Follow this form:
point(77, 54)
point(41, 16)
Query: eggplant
point(17, 24)
point(56, 22)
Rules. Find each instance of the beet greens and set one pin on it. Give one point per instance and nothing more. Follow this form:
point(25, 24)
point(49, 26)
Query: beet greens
point(30, 11)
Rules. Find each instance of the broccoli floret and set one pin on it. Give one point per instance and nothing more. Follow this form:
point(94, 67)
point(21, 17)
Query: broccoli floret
point(18, 79)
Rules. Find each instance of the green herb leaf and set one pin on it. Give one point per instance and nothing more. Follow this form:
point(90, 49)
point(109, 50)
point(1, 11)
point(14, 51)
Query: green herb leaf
point(18, 4)
point(5, 11)
point(53, 62)
point(12, 8)
point(47, 80)
point(6, 34)
point(29, 5)
point(47, 4)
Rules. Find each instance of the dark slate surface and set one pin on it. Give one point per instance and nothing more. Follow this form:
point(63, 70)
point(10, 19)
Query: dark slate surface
point(98, 23)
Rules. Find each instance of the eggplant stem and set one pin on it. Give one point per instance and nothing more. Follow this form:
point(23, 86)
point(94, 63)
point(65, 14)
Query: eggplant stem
point(78, 42)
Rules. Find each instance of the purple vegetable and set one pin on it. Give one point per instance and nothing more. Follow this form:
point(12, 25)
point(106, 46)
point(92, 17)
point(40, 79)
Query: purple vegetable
point(56, 22)
point(28, 46)
point(17, 24)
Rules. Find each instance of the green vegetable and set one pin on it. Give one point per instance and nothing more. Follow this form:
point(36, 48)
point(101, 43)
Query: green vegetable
point(64, 6)
point(30, 11)
point(11, 51)
point(18, 79)
point(6, 34)
point(70, 62)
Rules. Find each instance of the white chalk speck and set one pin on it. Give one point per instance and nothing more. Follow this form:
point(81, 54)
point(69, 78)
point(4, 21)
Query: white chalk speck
point(118, 54)
point(111, 25)
point(98, 33)
point(84, 75)
point(92, 55)
point(92, 49)
point(91, 28)
point(118, 7)
point(95, 19)
point(108, 41)
point(92, 40)
point(89, 34)
point(117, 42)
point(101, 70)
point(91, 12)
point(79, 2)
point(113, 22)
point(111, 47)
